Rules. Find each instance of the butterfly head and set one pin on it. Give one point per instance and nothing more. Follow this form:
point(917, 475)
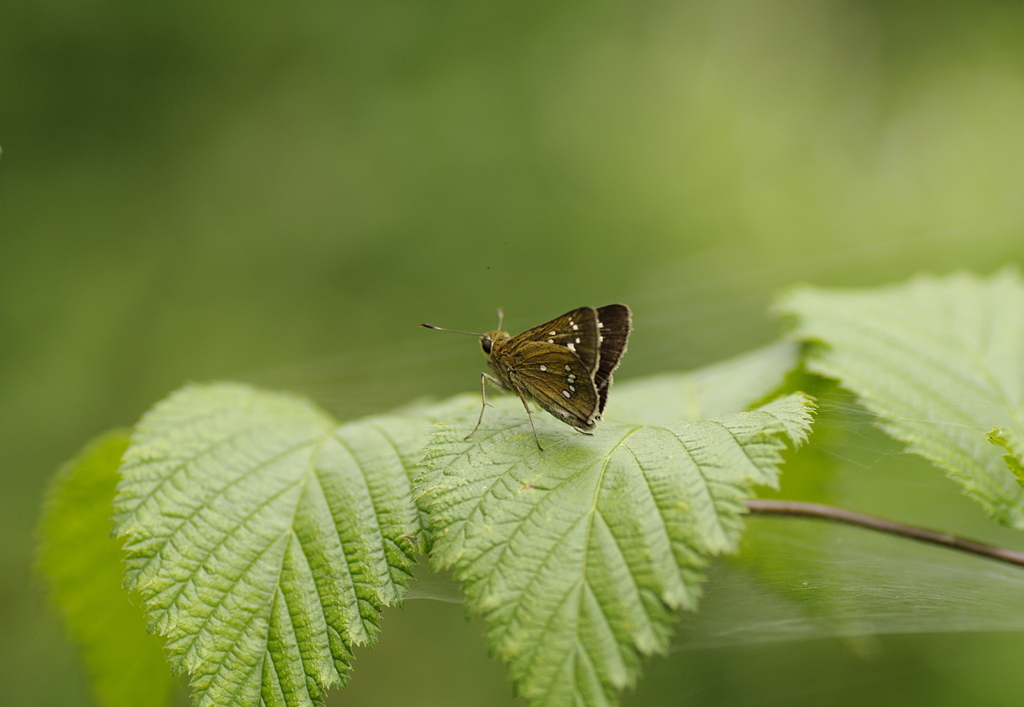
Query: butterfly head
point(488, 340)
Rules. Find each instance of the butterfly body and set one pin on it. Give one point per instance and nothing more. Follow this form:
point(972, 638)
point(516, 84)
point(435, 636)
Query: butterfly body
point(565, 365)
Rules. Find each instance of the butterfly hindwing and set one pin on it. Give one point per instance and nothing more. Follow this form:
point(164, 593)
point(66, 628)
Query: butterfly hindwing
point(615, 325)
point(559, 381)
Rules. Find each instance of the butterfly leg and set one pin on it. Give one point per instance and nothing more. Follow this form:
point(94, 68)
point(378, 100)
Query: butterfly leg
point(484, 377)
point(530, 415)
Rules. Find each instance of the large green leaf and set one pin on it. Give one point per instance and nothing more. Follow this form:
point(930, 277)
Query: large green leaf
point(577, 557)
point(82, 566)
point(265, 537)
point(940, 361)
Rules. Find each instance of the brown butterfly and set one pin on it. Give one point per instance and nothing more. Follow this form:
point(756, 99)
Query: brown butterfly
point(564, 365)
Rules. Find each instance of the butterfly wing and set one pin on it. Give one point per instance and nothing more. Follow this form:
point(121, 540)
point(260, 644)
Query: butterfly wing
point(615, 325)
point(558, 380)
point(566, 364)
point(577, 331)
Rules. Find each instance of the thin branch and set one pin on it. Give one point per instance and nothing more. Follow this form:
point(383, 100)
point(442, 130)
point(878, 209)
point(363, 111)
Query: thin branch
point(817, 510)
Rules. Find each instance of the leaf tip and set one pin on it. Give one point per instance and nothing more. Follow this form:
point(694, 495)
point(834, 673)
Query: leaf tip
point(1013, 442)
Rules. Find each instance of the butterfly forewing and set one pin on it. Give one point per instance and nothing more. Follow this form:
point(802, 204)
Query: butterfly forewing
point(614, 327)
point(577, 331)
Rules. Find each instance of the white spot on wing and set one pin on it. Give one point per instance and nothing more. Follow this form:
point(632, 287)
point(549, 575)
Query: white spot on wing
point(572, 347)
point(568, 367)
point(543, 368)
point(566, 393)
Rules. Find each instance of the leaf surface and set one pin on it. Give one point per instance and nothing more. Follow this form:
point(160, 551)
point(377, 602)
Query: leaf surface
point(579, 556)
point(940, 361)
point(706, 393)
point(82, 566)
point(265, 537)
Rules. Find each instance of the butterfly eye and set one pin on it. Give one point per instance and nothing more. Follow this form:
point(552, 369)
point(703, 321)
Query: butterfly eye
point(485, 344)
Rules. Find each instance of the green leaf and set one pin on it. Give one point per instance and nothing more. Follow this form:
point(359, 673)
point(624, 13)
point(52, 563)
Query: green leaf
point(940, 361)
point(706, 393)
point(82, 565)
point(1012, 442)
point(577, 557)
point(265, 537)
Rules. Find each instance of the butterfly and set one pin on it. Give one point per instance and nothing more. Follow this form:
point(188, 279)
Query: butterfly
point(565, 365)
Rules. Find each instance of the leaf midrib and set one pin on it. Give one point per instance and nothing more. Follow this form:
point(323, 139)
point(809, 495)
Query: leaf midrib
point(582, 583)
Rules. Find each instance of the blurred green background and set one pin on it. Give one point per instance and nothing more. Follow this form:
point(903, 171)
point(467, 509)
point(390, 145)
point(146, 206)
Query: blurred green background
point(279, 193)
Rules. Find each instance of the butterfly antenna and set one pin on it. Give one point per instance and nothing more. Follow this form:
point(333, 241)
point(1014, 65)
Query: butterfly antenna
point(501, 317)
point(456, 331)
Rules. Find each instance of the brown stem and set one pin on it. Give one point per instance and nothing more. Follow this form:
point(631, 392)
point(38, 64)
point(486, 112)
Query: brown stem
point(817, 510)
